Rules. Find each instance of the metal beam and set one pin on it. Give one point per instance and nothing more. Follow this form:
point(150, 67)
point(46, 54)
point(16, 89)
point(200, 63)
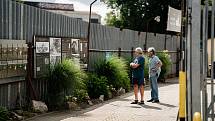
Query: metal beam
point(212, 59)
point(205, 61)
point(193, 59)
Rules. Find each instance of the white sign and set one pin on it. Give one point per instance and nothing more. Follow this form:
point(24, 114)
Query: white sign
point(174, 20)
point(55, 46)
point(42, 47)
point(75, 46)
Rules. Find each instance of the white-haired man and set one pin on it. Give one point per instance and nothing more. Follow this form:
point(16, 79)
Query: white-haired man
point(138, 75)
point(154, 72)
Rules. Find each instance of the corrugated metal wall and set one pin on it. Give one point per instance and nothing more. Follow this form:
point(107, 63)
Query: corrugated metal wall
point(110, 38)
point(22, 22)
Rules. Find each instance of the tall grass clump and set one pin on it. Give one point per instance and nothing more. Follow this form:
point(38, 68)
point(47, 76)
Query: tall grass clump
point(97, 86)
point(116, 71)
point(64, 79)
point(4, 114)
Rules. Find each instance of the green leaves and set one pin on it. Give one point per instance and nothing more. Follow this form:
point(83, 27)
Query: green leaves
point(4, 114)
point(112, 19)
point(97, 86)
point(64, 79)
point(134, 14)
point(209, 2)
point(116, 72)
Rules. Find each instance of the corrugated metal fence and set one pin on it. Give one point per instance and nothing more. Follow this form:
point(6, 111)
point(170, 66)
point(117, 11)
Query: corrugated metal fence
point(22, 22)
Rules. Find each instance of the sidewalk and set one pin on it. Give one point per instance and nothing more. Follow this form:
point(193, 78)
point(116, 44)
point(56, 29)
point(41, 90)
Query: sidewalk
point(120, 109)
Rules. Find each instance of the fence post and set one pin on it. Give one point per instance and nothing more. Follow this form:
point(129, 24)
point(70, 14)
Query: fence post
point(119, 52)
point(30, 92)
point(177, 62)
point(132, 55)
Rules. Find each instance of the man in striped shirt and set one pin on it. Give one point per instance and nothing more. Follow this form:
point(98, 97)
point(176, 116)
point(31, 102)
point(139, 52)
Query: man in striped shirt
point(154, 72)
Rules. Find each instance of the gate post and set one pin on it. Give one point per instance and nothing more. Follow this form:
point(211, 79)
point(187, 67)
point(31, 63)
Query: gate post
point(193, 58)
point(119, 52)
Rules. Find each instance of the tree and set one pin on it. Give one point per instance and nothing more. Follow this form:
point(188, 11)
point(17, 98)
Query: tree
point(136, 14)
point(113, 20)
point(209, 2)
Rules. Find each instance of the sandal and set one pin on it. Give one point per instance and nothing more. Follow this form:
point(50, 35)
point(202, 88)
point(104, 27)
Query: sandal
point(135, 102)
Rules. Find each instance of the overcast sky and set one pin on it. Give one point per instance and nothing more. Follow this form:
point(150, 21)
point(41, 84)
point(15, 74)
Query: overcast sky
point(82, 5)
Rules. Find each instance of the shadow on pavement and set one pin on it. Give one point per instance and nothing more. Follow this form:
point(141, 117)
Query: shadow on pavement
point(133, 106)
point(150, 107)
point(167, 105)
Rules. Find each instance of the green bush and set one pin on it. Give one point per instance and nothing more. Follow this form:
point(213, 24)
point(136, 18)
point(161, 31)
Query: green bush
point(64, 78)
point(166, 61)
point(97, 86)
point(146, 66)
point(116, 72)
point(4, 114)
point(81, 95)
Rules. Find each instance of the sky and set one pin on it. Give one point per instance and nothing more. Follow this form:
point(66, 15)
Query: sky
point(82, 5)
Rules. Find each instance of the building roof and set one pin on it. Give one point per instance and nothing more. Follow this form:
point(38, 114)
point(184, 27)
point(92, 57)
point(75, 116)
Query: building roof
point(51, 6)
point(86, 13)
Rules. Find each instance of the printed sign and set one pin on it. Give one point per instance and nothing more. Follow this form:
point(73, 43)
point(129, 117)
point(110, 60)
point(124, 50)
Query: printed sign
point(42, 47)
point(174, 20)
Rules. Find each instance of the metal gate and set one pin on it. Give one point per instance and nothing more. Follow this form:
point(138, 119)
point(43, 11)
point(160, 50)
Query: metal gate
point(207, 61)
point(199, 58)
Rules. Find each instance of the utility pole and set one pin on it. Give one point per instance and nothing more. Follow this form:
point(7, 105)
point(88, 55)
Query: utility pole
point(193, 58)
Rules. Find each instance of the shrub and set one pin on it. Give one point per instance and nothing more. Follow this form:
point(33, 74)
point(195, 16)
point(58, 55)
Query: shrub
point(81, 95)
point(64, 79)
point(4, 114)
point(97, 86)
point(166, 61)
point(116, 72)
point(146, 67)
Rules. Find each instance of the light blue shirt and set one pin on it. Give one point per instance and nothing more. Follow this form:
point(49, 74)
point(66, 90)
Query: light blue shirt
point(153, 70)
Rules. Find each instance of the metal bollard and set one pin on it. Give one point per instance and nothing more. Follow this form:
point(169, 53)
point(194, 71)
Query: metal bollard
point(182, 95)
point(197, 116)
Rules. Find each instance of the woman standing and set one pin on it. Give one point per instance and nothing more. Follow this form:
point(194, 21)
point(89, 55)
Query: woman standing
point(138, 75)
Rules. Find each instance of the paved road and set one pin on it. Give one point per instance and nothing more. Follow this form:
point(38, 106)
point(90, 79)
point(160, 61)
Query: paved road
point(121, 110)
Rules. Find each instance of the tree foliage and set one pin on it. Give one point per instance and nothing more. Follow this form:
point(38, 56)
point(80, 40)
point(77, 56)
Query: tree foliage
point(209, 2)
point(136, 14)
point(113, 20)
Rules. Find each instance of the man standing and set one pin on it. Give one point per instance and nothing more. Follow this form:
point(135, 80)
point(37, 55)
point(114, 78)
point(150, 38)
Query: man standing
point(138, 75)
point(154, 72)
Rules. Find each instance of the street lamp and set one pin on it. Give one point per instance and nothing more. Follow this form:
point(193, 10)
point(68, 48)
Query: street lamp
point(88, 35)
point(157, 19)
point(88, 32)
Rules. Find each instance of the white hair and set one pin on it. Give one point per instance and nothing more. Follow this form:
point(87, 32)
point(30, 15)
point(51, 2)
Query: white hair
point(139, 50)
point(151, 49)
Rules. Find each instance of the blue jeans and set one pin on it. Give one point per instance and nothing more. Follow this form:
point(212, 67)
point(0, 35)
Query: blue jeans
point(154, 87)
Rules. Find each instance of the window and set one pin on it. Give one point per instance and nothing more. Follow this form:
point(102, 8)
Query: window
point(79, 18)
point(93, 20)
